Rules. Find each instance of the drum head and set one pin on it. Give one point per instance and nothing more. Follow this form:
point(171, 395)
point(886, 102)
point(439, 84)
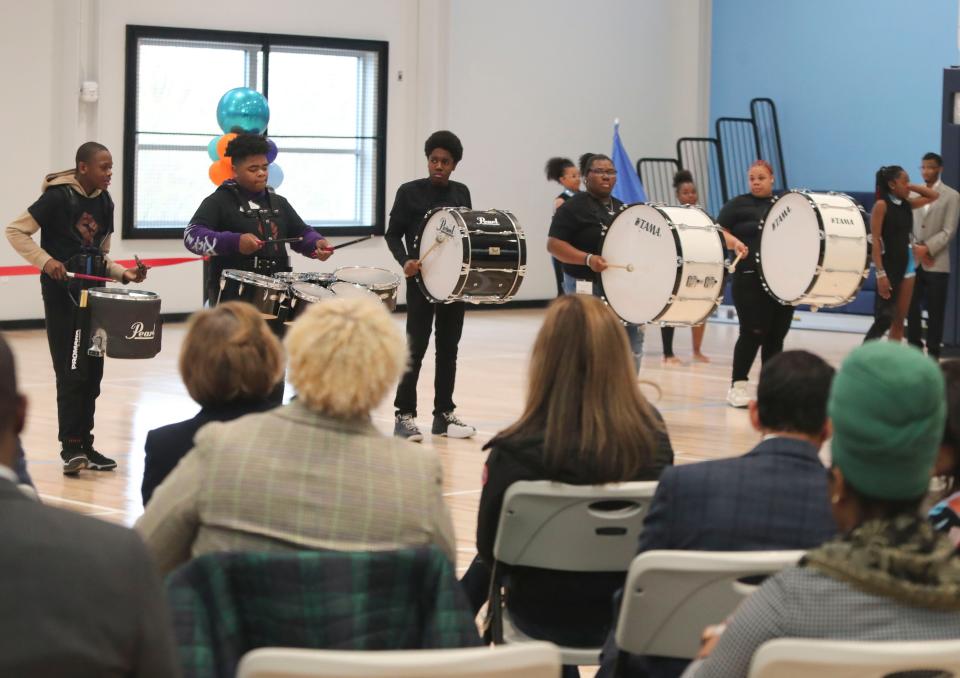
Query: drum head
point(790, 247)
point(310, 292)
point(255, 279)
point(367, 276)
point(441, 270)
point(641, 236)
point(345, 290)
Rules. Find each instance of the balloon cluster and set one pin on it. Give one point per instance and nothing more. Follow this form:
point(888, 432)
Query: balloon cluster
point(245, 110)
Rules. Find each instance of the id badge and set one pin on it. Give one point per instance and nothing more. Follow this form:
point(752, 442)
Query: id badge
point(585, 287)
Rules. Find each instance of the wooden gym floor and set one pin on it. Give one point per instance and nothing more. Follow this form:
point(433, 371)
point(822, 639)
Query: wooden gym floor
point(140, 395)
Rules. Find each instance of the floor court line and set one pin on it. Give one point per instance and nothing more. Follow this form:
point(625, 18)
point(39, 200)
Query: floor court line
point(105, 510)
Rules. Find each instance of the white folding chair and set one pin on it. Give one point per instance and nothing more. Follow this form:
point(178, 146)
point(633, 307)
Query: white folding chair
point(855, 659)
point(670, 596)
point(531, 660)
point(575, 528)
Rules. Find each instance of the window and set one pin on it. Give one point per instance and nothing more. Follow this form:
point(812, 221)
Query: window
point(327, 116)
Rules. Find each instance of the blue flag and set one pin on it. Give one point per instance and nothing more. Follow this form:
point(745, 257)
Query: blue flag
point(628, 188)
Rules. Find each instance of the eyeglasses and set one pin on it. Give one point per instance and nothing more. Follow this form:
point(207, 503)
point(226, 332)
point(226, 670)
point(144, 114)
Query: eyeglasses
point(605, 172)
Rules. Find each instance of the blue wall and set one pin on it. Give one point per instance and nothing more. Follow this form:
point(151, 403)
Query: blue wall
point(857, 83)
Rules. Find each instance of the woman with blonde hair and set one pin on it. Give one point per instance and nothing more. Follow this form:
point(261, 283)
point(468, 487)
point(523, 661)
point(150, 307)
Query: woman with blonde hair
point(585, 423)
point(315, 473)
point(230, 361)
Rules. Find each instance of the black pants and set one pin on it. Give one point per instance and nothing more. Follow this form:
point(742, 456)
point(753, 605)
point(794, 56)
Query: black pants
point(666, 335)
point(449, 324)
point(930, 290)
point(883, 311)
point(76, 397)
point(764, 323)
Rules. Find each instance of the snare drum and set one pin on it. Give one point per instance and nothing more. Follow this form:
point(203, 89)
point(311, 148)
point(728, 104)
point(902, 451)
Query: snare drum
point(303, 294)
point(314, 277)
point(380, 281)
point(266, 294)
point(124, 323)
point(470, 255)
point(677, 258)
point(346, 290)
point(813, 249)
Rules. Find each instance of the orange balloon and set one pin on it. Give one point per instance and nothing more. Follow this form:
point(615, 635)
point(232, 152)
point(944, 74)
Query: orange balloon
point(222, 144)
point(220, 171)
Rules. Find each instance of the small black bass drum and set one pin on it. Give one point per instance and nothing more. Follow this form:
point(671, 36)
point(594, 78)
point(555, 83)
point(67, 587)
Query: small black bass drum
point(477, 256)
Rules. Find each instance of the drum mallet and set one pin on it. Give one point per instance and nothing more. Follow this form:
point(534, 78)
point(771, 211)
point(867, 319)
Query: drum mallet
point(441, 238)
point(84, 276)
point(733, 264)
point(626, 267)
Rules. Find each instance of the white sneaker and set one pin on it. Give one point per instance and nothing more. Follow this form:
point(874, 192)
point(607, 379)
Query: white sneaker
point(448, 424)
point(738, 396)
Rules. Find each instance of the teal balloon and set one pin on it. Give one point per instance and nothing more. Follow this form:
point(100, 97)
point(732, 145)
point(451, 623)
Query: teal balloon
point(274, 175)
point(212, 149)
point(243, 109)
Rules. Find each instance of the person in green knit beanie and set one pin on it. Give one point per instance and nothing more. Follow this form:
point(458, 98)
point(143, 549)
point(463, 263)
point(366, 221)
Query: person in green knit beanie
point(889, 575)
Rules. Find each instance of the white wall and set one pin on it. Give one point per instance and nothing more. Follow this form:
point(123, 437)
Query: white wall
point(518, 81)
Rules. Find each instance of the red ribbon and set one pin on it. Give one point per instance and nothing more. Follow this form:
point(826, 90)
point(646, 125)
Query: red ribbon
point(7, 271)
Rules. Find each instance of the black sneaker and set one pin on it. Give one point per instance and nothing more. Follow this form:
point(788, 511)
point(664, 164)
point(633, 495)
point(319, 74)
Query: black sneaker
point(405, 426)
point(448, 424)
point(74, 460)
point(97, 462)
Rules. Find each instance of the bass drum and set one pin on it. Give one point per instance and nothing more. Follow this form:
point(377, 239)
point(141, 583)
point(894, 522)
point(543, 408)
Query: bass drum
point(470, 255)
point(668, 264)
point(813, 249)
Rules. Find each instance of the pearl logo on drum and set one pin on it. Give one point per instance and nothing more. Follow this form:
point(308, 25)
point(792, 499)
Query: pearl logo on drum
point(647, 226)
point(137, 332)
point(780, 218)
point(481, 221)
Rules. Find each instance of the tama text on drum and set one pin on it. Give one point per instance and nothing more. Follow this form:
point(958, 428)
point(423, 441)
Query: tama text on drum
point(647, 226)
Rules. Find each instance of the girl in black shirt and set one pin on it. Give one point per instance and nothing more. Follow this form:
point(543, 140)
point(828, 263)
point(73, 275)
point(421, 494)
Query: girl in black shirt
point(764, 321)
point(891, 222)
point(565, 173)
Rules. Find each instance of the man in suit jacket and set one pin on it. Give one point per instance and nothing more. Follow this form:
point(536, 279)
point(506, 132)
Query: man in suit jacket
point(773, 497)
point(79, 596)
point(933, 227)
point(314, 474)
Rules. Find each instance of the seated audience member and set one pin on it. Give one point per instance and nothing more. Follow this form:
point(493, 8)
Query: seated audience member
point(890, 576)
point(945, 515)
point(315, 473)
point(230, 362)
point(774, 497)
point(80, 596)
point(585, 422)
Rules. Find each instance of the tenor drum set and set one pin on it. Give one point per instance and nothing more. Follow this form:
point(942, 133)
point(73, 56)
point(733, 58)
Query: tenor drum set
point(813, 251)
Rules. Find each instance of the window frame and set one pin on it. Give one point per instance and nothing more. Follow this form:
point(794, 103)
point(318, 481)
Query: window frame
point(135, 33)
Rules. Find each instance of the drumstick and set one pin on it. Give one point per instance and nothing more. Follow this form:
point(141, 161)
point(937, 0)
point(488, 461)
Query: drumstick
point(347, 244)
point(733, 265)
point(625, 267)
point(84, 276)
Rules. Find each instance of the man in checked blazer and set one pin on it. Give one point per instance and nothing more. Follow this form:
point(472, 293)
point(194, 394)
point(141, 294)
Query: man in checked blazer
point(315, 473)
point(774, 497)
point(933, 227)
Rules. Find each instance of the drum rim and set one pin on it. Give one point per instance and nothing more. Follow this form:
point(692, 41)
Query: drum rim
point(378, 287)
point(357, 285)
point(313, 299)
point(251, 278)
point(123, 295)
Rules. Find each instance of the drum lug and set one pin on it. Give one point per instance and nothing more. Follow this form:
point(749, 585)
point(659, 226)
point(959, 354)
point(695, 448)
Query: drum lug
point(522, 271)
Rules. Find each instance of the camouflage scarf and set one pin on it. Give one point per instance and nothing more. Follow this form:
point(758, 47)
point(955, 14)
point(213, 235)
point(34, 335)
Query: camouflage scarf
point(901, 558)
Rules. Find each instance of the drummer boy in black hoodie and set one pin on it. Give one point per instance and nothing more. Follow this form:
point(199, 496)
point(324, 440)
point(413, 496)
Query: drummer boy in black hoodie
point(234, 224)
point(74, 215)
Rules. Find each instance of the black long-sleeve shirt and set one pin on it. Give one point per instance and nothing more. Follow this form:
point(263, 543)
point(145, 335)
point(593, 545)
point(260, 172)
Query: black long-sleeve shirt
point(414, 199)
point(742, 216)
